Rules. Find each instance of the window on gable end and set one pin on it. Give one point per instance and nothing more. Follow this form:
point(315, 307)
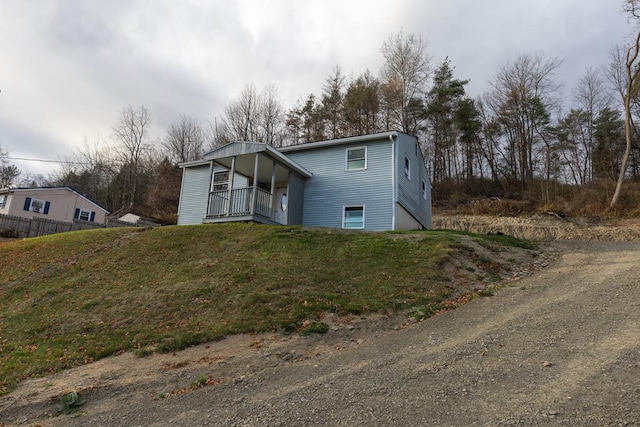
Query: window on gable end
point(356, 158)
point(84, 215)
point(424, 189)
point(407, 167)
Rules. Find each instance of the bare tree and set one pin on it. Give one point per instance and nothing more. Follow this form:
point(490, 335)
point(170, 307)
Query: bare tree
point(576, 130)
point(131, 134)
point(404, 77)
point(8, 173)
point(217, 134)
point(253, 116)
point(519, 101)
point(184, 140)
point(271, 117)
point(241, 115)
point(91, 170)
point(632, 72)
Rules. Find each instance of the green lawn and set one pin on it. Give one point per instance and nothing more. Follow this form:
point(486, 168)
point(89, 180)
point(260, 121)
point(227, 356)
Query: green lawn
point(72, 298)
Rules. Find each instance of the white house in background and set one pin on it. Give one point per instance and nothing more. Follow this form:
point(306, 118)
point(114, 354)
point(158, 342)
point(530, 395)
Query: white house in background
point(370, 182)
point(56, 203)
point(130, 218)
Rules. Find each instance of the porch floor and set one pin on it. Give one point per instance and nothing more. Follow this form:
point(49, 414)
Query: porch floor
point(239, 218)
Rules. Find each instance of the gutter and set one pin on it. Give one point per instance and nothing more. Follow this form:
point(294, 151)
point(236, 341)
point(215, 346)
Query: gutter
point(338, 142)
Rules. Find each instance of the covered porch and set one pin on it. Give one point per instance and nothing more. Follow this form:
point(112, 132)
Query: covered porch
point(254, 182)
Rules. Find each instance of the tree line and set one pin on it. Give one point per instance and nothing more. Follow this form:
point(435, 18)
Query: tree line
point(521, 136)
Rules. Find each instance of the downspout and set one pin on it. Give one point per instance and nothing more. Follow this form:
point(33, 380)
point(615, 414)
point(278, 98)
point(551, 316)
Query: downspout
point(393, 182)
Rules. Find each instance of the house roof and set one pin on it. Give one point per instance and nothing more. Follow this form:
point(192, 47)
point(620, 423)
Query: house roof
point(31, 189)
point(339, 141)
point(245, 148)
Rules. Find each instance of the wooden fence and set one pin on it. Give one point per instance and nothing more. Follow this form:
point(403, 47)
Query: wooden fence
point(16, 226)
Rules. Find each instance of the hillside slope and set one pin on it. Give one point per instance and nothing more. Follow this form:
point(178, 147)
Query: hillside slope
point(73, 298)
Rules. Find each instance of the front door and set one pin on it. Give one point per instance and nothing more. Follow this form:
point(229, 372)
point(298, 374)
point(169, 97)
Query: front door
point(282, 202)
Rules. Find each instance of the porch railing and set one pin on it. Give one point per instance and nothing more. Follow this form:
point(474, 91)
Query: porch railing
point(239, 204)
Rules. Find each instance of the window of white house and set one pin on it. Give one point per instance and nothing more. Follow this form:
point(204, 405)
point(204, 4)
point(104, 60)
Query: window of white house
point(424, 189)
point(221, 181)
point(353, 217)
point(356, 158)
point(3, 201)
point(407, 167)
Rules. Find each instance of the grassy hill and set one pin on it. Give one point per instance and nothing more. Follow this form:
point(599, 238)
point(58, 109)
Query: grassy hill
point(72, 298)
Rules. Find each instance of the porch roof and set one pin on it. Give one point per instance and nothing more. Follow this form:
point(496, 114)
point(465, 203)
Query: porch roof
point(238, 149)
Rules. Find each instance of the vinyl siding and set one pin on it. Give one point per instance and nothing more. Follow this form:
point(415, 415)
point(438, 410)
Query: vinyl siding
point(296, 199)
point(62, 204)
point(194, 194)
point(331, 187)
point(410, 190)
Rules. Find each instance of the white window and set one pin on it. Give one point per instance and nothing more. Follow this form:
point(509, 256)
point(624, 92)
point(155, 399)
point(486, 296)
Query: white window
point(424, 189)
point(407, 167)
point(221, 181)
point(36, 205)
point(84, 215)
point(353, 217)
point(3, 201)
point(356, 158)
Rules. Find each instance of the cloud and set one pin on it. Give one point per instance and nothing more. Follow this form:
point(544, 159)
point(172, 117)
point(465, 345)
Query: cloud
point(70, 66)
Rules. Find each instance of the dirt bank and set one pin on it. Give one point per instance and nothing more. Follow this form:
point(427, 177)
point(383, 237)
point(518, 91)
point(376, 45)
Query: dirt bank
point(545, 227)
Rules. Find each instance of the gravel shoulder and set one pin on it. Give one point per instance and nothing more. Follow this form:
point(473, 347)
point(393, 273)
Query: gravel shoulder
point(557, 347)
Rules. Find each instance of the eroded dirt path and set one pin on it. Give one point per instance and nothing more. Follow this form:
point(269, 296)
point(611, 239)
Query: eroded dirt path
point(561, 347)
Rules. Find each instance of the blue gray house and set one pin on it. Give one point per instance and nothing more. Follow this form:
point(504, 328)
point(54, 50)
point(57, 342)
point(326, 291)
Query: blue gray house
point(370, 182)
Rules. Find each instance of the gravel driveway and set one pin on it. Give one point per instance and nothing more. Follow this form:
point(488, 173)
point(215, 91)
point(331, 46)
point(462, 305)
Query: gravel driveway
point(561, 347)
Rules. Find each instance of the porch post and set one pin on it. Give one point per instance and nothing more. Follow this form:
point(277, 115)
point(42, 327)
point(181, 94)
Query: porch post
point(254, 190)
point(230, 184)
point(207, 210)
point(272, 214)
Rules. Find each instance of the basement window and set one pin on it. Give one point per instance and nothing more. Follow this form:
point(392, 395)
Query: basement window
point(353, 217)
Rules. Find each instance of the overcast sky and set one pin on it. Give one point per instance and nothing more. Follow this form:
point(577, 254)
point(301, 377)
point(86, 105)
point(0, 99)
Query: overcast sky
point(68, 67)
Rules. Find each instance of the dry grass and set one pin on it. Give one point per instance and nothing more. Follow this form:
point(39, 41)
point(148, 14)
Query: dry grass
point(590, 200)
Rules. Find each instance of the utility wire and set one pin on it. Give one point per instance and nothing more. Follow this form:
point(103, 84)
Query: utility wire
point(68, 162)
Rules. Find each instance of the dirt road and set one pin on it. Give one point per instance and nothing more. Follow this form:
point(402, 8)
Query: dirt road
point(561, 347)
